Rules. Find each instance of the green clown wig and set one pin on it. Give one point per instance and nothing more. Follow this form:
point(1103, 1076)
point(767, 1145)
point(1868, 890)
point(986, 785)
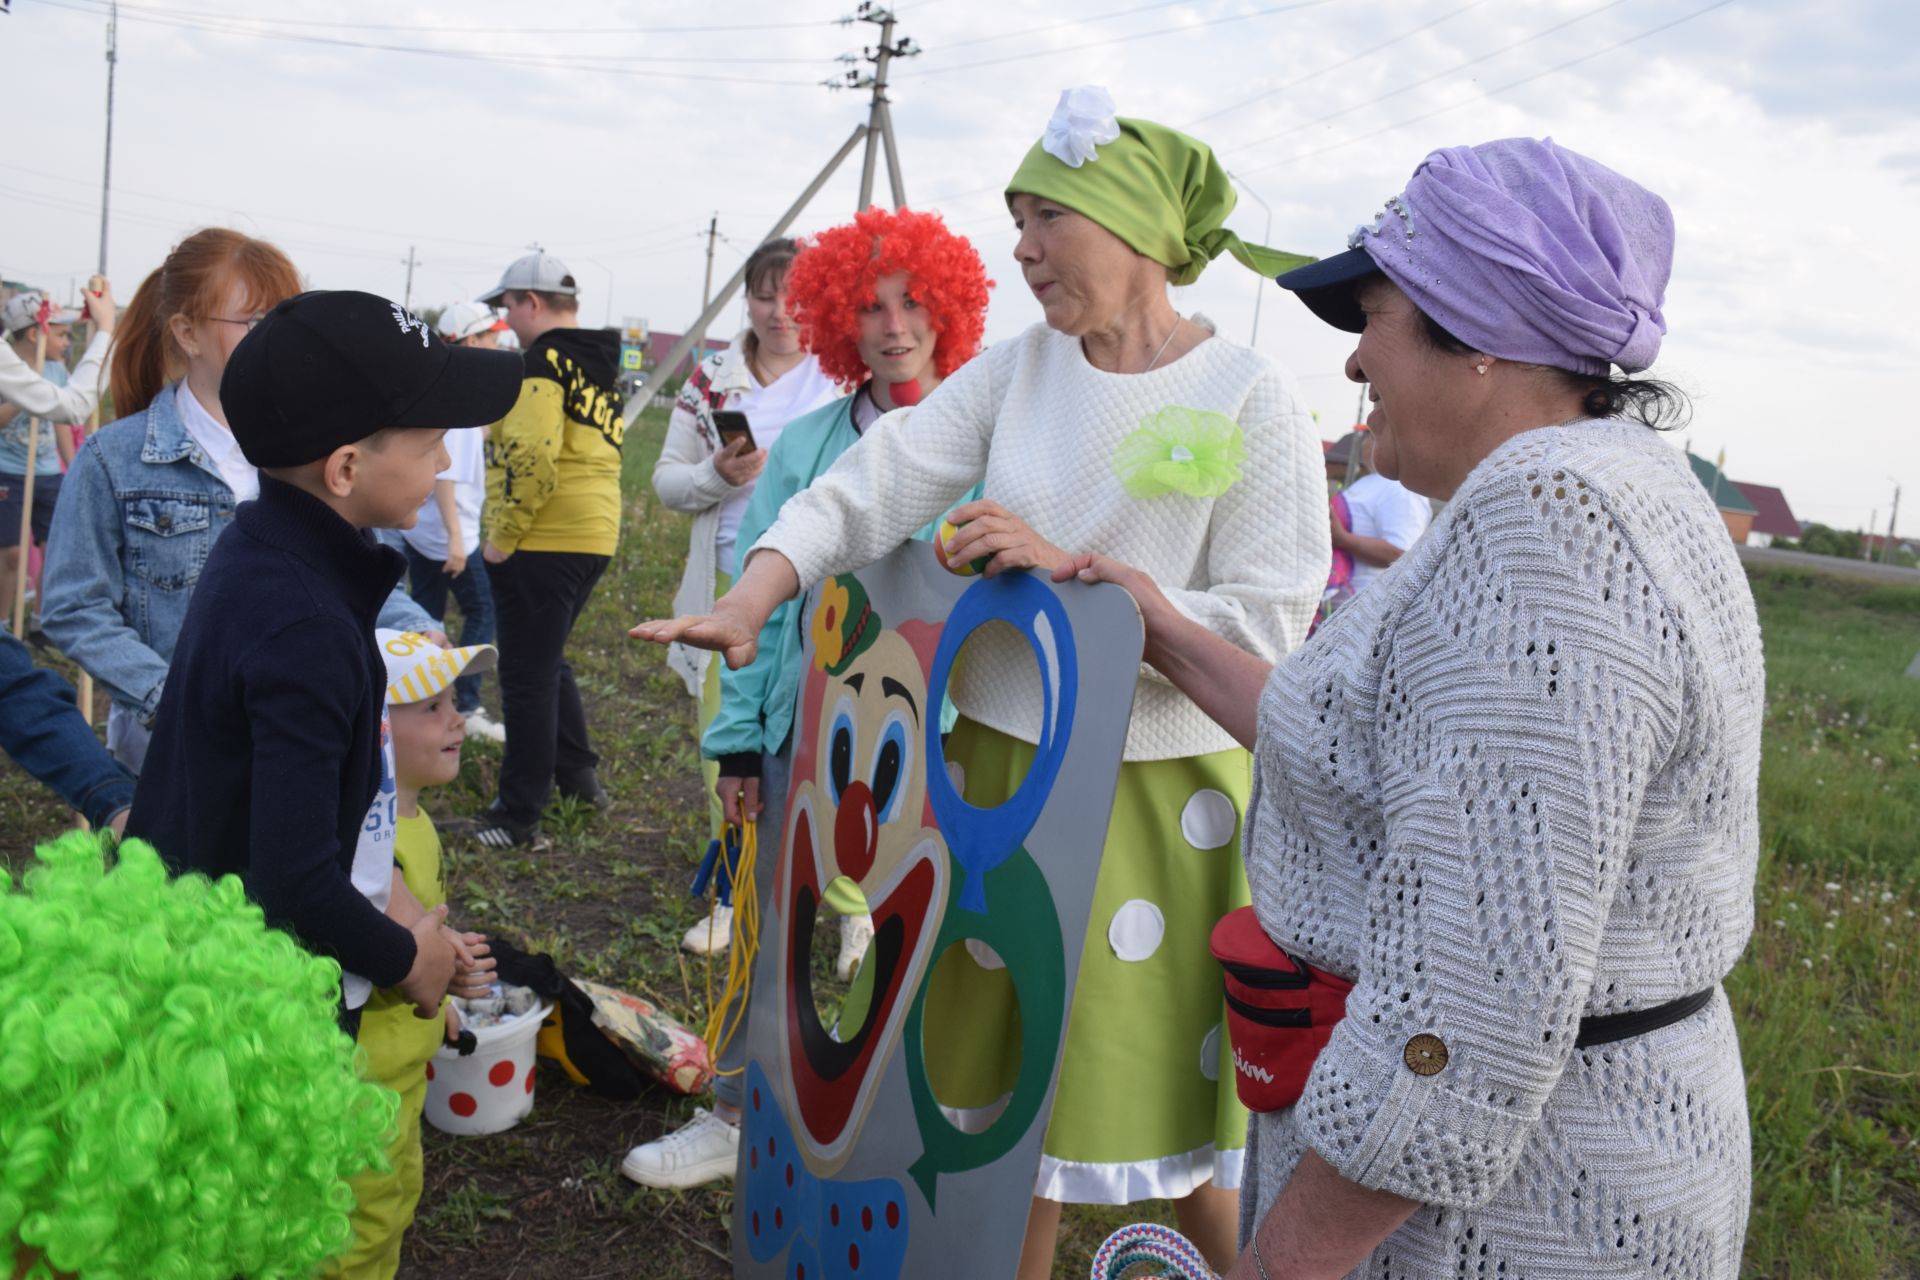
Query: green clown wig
point(177, 1100)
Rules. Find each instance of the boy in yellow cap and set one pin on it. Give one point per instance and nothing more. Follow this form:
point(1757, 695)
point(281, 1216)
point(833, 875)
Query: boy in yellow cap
point(426, 731)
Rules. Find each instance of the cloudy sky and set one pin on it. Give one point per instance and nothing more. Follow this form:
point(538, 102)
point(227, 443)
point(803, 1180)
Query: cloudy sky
point(1784, 134)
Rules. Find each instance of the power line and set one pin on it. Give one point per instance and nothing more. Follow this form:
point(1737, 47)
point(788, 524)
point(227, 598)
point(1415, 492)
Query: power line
point(1513, 84)
point(1055, 26)
point(500, 31)
point(551, 62)
point(1138, 35)
point(1426, 80)
point(226, 211)
point(1332, 66)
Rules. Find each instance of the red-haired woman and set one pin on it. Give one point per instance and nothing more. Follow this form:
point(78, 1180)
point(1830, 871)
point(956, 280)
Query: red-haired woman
point(890, 304)
point(149, 493)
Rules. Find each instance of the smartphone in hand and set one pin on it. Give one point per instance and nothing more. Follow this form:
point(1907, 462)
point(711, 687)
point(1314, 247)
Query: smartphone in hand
point(732, 425)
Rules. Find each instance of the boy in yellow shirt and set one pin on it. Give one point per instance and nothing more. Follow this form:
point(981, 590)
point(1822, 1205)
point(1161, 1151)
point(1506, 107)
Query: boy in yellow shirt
point(552, 522)
point(426, 732)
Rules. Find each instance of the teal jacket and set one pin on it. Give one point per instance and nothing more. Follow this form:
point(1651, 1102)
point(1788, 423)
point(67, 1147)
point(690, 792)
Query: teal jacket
point(756, 702)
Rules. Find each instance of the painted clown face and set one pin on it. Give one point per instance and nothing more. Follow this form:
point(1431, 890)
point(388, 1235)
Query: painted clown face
point(860, 817)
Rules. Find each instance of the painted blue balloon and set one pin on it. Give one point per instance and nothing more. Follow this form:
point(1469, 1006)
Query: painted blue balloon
point(982, 839)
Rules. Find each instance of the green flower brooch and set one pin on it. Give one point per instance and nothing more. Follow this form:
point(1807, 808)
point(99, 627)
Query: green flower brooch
point(1177, 450)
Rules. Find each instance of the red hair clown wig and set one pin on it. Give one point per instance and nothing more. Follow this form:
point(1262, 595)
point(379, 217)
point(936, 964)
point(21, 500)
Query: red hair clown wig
point(833, 278)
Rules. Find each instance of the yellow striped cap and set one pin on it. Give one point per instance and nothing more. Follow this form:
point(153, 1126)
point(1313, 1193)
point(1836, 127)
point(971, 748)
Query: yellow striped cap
point(418, 669)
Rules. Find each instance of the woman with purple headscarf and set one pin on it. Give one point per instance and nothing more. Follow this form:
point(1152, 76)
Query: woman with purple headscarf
point(1510, 795)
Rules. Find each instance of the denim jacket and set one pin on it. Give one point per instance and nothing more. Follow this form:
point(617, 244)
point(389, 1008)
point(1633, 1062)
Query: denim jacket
point(140, 509)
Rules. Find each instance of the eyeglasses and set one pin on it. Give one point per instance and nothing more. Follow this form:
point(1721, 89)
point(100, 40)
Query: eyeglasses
point(250, 323)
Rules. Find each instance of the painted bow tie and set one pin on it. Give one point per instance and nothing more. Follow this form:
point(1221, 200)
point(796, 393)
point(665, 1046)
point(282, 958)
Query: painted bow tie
point(832, 1229)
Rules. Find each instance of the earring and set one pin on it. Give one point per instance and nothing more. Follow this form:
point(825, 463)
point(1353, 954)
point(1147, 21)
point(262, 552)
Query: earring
point(1480, 368)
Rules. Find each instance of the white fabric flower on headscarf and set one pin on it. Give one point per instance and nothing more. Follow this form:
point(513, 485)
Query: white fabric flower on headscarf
point(1083, 121)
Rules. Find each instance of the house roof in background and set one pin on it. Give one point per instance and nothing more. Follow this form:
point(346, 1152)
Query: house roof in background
point(1726, 494)
point(1776, 517)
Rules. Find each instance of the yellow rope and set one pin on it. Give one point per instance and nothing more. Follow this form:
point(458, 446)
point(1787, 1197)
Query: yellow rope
point(724, 1018)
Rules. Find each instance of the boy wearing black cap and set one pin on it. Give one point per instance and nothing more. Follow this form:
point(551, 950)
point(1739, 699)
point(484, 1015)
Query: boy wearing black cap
point(266, 752)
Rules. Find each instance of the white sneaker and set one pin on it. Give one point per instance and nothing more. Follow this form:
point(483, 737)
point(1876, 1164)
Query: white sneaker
point(478, 721)
point(855, 933)
point(704, 1149)
point(712, 936)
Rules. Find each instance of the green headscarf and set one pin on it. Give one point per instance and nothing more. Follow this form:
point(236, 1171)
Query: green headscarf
point(1159, 190)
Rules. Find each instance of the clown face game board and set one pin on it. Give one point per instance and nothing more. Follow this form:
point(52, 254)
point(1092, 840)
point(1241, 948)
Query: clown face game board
point(850, 1165)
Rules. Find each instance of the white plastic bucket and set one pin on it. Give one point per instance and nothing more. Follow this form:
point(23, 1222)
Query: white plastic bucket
point(489, 1090)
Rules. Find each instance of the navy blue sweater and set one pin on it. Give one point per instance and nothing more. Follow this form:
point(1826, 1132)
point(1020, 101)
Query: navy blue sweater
point(265, 753)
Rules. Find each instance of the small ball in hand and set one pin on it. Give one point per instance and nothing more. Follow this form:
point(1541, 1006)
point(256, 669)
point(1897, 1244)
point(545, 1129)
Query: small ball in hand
point(940, 542)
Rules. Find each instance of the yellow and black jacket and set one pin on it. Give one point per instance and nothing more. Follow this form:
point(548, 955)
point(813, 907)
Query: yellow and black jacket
point(553, 463)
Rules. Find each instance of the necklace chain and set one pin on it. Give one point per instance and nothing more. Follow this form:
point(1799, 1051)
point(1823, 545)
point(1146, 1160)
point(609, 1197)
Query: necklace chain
point(1177, 320)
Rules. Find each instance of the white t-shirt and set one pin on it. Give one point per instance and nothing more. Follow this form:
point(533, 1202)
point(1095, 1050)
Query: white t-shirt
point(373, 854)
point(468, 471)
point(801, 389)
point(1383, 508)
point(217, 443)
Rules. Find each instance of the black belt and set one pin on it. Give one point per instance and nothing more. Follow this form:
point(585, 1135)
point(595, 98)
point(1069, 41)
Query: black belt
point(1610, 1027)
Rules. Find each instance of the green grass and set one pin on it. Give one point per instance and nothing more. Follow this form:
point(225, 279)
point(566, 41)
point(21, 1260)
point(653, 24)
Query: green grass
point(1826, 995)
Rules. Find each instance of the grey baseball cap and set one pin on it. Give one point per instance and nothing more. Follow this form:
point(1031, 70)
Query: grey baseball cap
point(541, 272)
point(23, 311)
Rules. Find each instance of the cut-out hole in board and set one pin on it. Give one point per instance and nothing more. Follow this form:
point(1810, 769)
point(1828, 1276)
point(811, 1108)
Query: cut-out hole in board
point(971, 1035)
point(842, 993)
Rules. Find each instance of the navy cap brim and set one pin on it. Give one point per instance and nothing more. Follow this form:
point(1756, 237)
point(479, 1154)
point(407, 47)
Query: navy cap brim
point(475, 388)
point(1327, 287)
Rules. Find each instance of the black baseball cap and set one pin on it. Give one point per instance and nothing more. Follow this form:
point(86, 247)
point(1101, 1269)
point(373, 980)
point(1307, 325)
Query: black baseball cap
point(1328, 287)
point(330, 367)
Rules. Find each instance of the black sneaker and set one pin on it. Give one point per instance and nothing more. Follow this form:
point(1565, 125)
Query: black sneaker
point(493, 830)
point(585, 790)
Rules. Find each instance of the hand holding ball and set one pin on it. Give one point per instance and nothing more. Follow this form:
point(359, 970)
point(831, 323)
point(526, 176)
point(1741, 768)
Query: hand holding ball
point(940, 542)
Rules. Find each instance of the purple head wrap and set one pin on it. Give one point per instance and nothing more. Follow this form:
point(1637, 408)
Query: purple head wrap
point(1531, 252)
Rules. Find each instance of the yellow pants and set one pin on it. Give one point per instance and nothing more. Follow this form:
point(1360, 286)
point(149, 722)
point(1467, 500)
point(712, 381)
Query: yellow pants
point(384, 1203)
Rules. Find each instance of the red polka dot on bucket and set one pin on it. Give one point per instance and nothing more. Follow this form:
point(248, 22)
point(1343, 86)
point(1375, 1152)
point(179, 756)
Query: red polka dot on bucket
point(462, 1104)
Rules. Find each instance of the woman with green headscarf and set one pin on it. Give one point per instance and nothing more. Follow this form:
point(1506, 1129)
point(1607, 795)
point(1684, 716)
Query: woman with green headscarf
point(1124, 427)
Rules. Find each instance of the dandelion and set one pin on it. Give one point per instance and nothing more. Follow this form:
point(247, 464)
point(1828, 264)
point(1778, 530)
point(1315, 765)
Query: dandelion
point(1856, 899)
point(1833, 886)
point(1886, 920)
point(1805, 963)
point(1819, 782)
point(1827, 925)
point(1794, 906)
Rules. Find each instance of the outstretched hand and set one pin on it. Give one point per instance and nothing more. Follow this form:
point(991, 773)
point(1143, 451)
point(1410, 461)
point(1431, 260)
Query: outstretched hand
point(719, 631)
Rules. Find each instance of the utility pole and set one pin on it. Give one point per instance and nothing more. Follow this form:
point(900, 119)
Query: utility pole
point(879, 115)
point(1265, 238)
point(1893, 517)
point(406, 300)
point(879, 125)
point(106, 171)
point(672, 359)
point(706, 287)
point(1866, 543)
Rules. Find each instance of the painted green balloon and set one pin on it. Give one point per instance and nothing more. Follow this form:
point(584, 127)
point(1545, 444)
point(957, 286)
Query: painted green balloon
point(1023, 928)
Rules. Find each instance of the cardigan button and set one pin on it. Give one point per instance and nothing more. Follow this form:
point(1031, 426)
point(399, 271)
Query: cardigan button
point(1426, 1055)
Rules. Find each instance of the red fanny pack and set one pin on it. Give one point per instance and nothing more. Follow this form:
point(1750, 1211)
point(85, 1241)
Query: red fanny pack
point(1280, 1012)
